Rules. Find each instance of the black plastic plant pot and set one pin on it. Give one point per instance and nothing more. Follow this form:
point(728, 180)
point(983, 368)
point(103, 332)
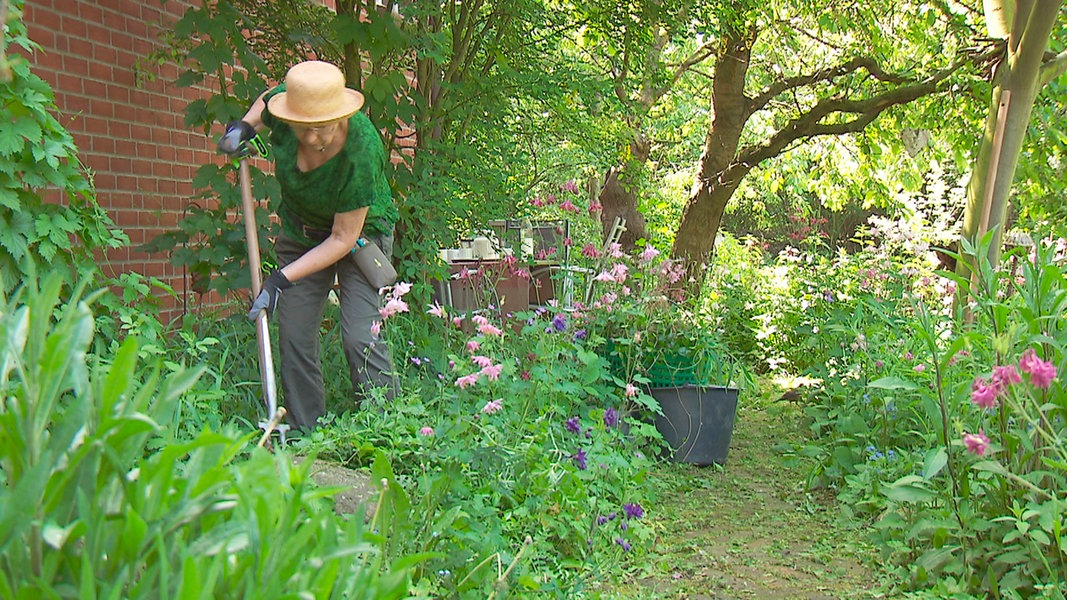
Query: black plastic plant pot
point(697, 421)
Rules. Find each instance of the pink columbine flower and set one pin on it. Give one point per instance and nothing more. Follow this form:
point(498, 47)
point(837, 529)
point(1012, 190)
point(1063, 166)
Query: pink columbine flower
point(976, 444)
point(568, 206)
point(473, 345)
point(983, 394)
point(426, 431)
point(631, 390)
point(492, 330)
point(401, 288)
point(590, 251)
point(392, 307)
point(492, 372)
point(482, 361)
point(1004, 376)
point(615, 250)
point(457, 322)
point(1041, 372)
point(376, 328)
point(569, 186)
point(436, 310)
point(537, 202)
point(479, 319)
point(649, 254)
point(467, 380)
point(494, 406)
point(594, 208)
point(919, 368)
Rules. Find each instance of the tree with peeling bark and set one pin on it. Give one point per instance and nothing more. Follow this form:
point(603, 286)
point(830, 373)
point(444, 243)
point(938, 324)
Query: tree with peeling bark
point(1025, 29)
point(873, 58)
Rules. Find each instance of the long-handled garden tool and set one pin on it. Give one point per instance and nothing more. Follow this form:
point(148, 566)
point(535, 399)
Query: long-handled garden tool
point(273, 422)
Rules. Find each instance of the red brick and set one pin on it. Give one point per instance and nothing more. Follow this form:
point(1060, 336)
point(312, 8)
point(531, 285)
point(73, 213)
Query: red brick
point(68, 83)
point(40, 16)
point(125, 218)
point(76, 104)
point(92, 87)
point(121, 130)
point(104, 181)
point(90, 12)
point(162, 169)
point(95, 125)
point(101, 107)
point(118, 94)
point(47, 60)
point(105, 53)
point(80, 47)
point(44, 37)
point(115, 21)
point(103, 144)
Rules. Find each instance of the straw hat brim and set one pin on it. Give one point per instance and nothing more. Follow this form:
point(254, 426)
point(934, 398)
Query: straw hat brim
point(281, 108)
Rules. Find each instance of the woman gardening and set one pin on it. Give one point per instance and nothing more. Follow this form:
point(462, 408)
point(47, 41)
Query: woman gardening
point(330, 164)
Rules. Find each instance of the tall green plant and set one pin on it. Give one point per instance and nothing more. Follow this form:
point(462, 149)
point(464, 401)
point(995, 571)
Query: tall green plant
point(99, 499)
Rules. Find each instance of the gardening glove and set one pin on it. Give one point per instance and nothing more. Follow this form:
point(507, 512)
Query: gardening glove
point(268, 296)
point(237, 133)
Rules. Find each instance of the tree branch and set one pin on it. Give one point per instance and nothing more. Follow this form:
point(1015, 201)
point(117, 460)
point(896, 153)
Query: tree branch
point(698, 56)
point(809, 124)
point(1052, 69)
point(825, 75)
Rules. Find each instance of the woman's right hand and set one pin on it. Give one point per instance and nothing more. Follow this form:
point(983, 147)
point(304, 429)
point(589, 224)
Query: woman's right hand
point(237, 133)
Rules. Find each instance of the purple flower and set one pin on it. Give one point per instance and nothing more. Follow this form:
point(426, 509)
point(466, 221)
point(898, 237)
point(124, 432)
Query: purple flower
point(580, 334)
point(573, 425)
point(559, 322)
point(625, 545)
point(601, 520)
point(633, 510)
point(611, 418)
point(579, 459)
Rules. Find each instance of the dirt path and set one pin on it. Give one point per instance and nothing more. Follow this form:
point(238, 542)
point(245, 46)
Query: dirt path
point(749, 530)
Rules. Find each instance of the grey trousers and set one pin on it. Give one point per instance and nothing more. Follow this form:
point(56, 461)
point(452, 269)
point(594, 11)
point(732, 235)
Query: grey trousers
point(299, 318)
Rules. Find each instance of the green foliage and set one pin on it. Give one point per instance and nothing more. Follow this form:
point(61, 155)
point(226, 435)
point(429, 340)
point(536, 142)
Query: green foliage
point(98, 498)
point(36, 155)
point(962, 499)
point(517, 448)
point(464, 166)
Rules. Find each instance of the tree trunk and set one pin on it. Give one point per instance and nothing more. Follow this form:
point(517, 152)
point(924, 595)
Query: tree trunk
point(618, 200)
point(1020, 77)
point(719, 174)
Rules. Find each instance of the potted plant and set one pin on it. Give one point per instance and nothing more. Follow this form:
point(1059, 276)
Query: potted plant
point(650, 336)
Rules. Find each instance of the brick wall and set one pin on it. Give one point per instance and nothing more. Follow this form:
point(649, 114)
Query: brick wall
point(131, 138)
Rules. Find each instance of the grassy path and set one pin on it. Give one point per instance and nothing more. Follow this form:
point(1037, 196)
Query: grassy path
point(748, 530)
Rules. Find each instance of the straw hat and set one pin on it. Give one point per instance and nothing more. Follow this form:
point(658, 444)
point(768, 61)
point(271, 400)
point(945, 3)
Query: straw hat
point(315, 93)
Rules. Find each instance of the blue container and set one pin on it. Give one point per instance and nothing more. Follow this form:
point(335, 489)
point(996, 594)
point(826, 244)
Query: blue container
point(697, 421)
